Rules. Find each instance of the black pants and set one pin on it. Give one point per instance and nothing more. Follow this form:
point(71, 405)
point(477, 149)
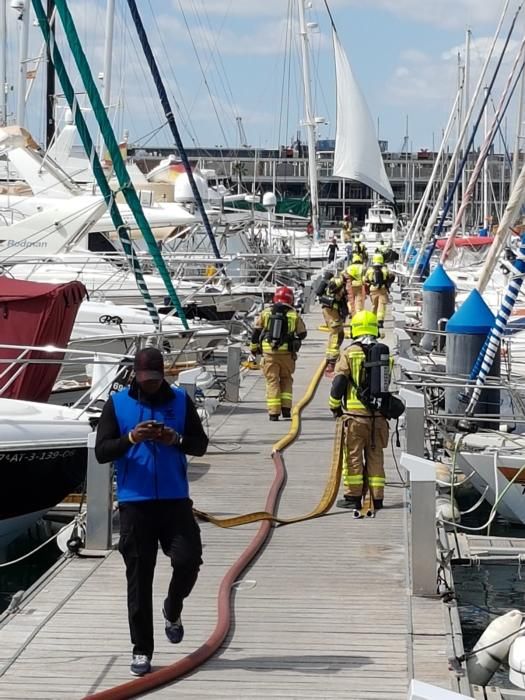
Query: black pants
point(143, 524)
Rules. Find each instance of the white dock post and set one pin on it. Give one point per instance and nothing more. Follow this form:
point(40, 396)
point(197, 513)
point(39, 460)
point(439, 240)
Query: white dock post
point(233, 373)
point(414, 421)
point(424, 691)
point(307, 297)
point(423, 557)
point(99, 502)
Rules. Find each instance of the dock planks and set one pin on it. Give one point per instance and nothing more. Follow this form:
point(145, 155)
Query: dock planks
point(325, 611)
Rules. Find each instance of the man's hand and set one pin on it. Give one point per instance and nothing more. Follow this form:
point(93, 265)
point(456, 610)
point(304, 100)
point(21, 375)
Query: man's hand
point(145, 431)
point(168, 437)
point(337, 412)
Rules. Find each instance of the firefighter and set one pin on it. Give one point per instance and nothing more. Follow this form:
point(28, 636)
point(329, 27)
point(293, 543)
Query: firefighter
point(346, 230)
point(333, 305)
point(378, 279)
point(355, 290)
point(367, 429)
point(360, 247)
point(278, 333)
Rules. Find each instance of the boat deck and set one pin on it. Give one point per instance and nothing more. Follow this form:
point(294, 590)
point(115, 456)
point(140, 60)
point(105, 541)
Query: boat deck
point(324, 612)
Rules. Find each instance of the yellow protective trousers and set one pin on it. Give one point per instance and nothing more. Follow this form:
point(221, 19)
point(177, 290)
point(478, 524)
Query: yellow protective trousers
point(363, 463)
point(356, 298)
point(334, 322)
point(278, 369)
point(379, 299)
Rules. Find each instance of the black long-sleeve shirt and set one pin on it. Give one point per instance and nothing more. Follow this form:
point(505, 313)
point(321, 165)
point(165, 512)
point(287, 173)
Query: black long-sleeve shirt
point(111, 445)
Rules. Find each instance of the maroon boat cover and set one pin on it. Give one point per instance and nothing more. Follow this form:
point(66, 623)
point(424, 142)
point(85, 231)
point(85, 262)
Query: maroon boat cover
point(34, 313)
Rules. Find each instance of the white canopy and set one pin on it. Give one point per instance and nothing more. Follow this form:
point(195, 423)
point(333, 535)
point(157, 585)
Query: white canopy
point(357, 155)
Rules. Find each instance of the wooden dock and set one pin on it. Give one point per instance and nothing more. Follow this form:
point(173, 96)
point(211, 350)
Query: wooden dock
point(324, 612)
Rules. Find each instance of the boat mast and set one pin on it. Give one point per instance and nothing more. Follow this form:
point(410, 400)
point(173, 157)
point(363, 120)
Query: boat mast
point(3, 62)
point(108, 51)
point(24, 10)
point(485, 223)
point(50, 83)
point(309, 122)
point(466, 103)
point(519, 129)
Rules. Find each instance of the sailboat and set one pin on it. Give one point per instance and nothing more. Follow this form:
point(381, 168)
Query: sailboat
point(357, 155)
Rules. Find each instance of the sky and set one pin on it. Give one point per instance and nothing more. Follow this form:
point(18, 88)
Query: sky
point(224, 59)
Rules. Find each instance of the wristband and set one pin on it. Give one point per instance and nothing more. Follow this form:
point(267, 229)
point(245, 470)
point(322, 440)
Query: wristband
point(130, 438)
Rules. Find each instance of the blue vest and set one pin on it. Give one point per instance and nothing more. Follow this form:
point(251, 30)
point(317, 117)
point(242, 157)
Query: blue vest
point(151, 471)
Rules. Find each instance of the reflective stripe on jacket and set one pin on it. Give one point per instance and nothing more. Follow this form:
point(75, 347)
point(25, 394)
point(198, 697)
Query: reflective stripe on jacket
point(150, 470)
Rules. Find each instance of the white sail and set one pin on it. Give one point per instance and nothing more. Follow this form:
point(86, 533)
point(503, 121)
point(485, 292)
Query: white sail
point(357, 155)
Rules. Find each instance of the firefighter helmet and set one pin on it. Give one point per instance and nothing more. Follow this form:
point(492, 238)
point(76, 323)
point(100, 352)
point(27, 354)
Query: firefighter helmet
point(364, 323)
point(283, 295)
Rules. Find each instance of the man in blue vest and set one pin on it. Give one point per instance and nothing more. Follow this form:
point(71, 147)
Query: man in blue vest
point(147, 430)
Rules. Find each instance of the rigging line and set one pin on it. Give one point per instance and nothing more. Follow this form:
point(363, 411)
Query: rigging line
point(203, 75)
point(186, 120)
point(330, 15)
point(146, 79)
point(174, 129)
point(283, 81)
point(213, 48)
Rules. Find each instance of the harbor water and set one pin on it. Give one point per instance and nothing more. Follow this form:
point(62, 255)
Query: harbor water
point(21, 576)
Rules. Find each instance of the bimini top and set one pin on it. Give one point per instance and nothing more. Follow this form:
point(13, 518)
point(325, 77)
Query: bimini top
point(35, 314)
point(438, 281)
point(472, 318)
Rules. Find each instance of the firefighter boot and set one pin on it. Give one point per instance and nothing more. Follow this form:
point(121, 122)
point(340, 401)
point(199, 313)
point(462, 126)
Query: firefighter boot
point(349, 502)
point(273, 416)
point(378, 503)
point(381, 326)
point(286, 413)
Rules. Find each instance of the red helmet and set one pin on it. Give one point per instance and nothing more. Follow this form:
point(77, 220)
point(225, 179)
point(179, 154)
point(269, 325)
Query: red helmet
point(283, 295)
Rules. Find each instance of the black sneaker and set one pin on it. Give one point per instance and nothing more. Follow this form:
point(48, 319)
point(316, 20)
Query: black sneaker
point(140, 665)
point(349, 502)
point(273, 416)
point(174, 630)
point(378, 503)
point(286, 413)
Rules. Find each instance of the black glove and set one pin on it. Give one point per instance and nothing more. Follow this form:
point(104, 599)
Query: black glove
point(337, 412)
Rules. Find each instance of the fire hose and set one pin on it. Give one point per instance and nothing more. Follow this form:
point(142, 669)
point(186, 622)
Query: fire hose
point(190, 662)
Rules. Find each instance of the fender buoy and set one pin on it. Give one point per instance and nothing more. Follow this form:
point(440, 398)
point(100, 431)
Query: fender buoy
point(500, 634)
point(517, 662)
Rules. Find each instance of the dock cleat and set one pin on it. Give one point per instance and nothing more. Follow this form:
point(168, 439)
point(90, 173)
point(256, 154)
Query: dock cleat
point(140, 665)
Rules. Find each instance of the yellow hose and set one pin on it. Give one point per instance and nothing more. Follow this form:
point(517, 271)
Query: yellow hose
point(334, 477)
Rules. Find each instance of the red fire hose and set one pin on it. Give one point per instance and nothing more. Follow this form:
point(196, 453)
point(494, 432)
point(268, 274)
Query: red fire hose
point(180, 668)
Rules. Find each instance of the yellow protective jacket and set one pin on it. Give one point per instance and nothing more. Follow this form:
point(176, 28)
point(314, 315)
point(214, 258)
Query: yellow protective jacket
point(355, 274)
point(347, 367)
point(296, 329)
point(335, 292)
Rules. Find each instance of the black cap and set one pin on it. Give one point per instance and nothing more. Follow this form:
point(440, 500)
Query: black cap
point(149, 364)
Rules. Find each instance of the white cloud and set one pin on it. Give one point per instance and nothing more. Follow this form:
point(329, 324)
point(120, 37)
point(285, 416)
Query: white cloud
point(450, 14)
point(245, 8)
point(427, 78)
